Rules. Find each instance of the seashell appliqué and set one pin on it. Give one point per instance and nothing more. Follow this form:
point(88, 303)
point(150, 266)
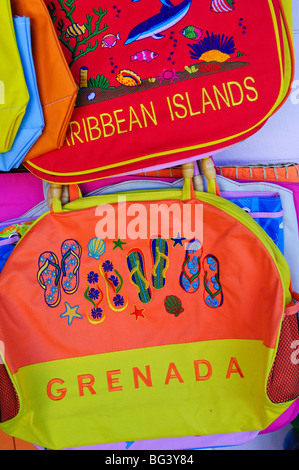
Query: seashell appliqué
point(96, 248)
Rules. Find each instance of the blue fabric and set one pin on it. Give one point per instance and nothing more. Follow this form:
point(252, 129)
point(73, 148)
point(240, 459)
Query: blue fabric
point(269, 221)
point(5, 252)
point(33, 122)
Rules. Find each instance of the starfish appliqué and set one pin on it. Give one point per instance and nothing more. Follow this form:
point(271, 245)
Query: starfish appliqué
point(138, 312)
point(71, 313)
point(118, 244)
point(178, 240)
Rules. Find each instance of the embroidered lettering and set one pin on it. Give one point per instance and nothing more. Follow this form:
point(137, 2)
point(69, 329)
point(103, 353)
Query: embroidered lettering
point(173, 373)
point(113, 380)
point(97, 131)
point(85, 381)
point(107, 124)
point(237, 91)
point(208, 367)
point(145, 113)
point(224, 98)
point(59, 393)
point(146, 379)
point(206, 101)
point(255, 96)
point(118, 121)
point(75, 133)
point(231, 370)
point(142, 377)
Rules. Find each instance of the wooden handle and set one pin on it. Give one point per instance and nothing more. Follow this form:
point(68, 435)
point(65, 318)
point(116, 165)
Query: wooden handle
point(65, 195)
point(208, 168)
point(55, 190)
point(197, 178)
point(188, 170)
point(198, 183)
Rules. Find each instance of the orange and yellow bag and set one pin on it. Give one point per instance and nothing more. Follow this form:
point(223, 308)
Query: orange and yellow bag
point(145, 315)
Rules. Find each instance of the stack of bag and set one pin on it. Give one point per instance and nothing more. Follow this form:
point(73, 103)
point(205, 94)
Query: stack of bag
point(37, 93)
point(181, 336)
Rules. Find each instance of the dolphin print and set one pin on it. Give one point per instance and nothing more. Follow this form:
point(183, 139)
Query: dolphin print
point(168, 16)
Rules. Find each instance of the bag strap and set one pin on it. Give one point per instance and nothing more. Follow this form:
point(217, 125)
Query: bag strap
point(74, 192)
point(293, 307)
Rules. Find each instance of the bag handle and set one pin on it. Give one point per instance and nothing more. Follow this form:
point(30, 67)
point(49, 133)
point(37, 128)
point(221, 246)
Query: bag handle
point(193, 180)
point(293, 307)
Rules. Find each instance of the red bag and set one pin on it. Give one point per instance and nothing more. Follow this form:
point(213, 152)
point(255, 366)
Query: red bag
point(161, 81)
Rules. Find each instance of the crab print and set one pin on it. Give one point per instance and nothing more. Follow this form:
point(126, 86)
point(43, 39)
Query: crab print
point(167, 75)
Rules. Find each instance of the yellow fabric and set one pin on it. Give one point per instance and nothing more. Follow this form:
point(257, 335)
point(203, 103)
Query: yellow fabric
point(239, 371)
point(14, 95)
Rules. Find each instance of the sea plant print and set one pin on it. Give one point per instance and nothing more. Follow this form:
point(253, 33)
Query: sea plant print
point(74, 36)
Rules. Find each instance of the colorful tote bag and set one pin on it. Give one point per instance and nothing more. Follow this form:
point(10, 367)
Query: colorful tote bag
point(32, 123)
point(133, 321)
point(56, 86)
point(163, 81)
point(14, 94)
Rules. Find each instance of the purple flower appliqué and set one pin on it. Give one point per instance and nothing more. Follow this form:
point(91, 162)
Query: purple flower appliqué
point(118, 300)
point(114, 280)
point(107, 266)
point(97, 313)
point(92, 277)
point(93, 294)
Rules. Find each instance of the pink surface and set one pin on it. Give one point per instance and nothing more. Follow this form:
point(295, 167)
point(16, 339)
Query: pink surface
point(19, 192)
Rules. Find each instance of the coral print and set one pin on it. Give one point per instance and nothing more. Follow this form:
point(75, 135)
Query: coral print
point(213, 47)
point(70, 35)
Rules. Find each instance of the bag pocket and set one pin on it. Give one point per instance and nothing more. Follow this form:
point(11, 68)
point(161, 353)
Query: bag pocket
point(283, 381)
point(9, 402)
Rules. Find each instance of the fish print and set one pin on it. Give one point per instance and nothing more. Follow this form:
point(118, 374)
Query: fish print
point(75, 30)
point(222, 6)
point(153, 27)
point(110, 40)
point(146, 55)
point(191, 32)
